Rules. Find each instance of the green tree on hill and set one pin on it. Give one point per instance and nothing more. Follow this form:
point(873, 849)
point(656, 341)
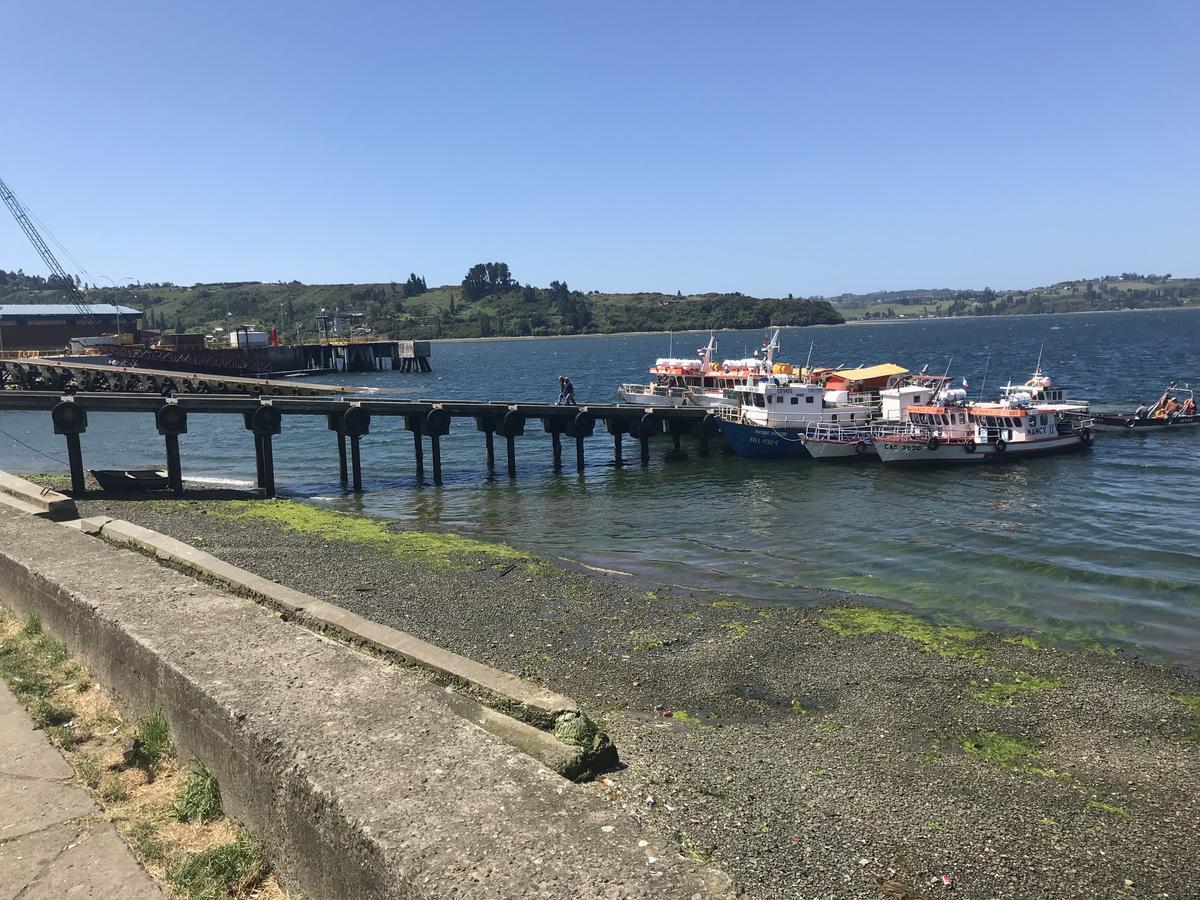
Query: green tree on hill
point(487, 278)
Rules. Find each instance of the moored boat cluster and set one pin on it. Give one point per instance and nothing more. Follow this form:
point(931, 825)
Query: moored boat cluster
point(885, 412)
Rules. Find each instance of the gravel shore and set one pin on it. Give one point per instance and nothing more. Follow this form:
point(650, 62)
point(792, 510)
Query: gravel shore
point(843, 751)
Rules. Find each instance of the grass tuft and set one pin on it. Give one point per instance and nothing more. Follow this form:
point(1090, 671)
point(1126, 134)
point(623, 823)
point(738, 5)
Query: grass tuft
point(200, 799)
point(144, 838)
point(1191, 701)
point(229, 869)
point(154, 740)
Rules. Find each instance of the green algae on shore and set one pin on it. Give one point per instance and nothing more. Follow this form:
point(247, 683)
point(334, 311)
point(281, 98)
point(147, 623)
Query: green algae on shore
point(1006, 693)
point(944, 640)
point(439, 548)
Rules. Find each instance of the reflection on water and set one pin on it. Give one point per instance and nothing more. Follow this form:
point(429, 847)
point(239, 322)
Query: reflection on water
point(1101, 545)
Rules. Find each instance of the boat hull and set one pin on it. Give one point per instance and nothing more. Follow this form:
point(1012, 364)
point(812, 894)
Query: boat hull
point(756, 440)
point(1132, 423)
point(639, 398)
point(916, 453)
point(122, 480)
point(819, 449)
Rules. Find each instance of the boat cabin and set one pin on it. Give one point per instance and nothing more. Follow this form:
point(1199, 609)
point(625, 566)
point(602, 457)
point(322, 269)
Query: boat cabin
point(777, 401)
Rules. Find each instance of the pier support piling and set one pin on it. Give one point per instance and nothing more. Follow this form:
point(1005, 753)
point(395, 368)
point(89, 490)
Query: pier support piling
point(70, 419)
point(645, 442)
point(343, 476)
point(490, 439)
point(617, 449)
point(419, 452)
point(355, 463)
point(174, 470)
point(75, 459)
point(556, 442)
point(435, 444)
point(511, 442)
point(675, 441)
point(579, 453)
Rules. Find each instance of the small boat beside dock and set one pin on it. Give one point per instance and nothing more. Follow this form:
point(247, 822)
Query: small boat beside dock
point(1174, 410)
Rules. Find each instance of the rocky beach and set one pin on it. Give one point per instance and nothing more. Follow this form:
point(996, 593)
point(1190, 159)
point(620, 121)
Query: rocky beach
point(837, 750)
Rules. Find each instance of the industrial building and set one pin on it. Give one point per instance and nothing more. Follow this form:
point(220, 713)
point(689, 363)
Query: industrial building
point(51, 326)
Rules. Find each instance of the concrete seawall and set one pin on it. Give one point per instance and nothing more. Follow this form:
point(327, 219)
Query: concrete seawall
point(357, 775)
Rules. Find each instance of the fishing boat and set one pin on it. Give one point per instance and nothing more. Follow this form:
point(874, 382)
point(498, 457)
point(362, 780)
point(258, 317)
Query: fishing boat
point(674, 380)
point(835, 440)
point(124, 480)
point(953, 431)
point(703, 381)
point(772, 417)
point(1174, 410)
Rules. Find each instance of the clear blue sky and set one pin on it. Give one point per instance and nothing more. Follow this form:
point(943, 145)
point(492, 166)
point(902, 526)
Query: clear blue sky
point(811, 148)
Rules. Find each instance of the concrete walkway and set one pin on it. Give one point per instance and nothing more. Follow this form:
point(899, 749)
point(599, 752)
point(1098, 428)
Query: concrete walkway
point(52, 842)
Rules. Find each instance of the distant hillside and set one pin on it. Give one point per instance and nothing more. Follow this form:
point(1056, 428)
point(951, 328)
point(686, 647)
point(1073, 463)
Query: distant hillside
point(490, 305)
point(490, 302)
point(1126, 291)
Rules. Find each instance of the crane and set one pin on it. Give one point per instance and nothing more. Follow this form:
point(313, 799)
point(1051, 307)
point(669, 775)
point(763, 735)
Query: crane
point(78, 298)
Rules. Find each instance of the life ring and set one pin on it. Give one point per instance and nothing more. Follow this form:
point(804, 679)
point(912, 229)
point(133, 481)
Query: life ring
point(1001, 445)
point(860, 448)
point(933, 443)
point(969, 446)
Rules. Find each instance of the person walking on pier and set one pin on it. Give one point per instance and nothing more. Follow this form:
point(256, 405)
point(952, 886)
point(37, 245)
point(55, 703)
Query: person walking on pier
point(566, 392)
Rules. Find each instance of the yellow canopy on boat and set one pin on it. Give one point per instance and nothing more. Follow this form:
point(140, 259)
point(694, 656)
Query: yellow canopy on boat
point(880, 371)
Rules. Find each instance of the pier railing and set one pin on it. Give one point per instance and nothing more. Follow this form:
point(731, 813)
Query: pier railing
point(351, 420)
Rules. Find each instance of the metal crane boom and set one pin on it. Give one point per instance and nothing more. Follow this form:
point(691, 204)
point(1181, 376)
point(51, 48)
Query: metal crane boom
point(78, 299)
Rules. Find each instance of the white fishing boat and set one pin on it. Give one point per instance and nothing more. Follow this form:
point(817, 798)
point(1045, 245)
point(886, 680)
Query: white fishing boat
point(772, 417)
point(952, 431)
point(702, 381)
point(840, 441)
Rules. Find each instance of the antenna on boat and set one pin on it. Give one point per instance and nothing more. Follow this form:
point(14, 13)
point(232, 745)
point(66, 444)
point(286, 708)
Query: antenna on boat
point(808, 359)
point(1038, 369)
point(983, 380)
point(671, 344)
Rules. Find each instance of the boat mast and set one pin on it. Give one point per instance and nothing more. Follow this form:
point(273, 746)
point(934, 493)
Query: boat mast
point(983, 380)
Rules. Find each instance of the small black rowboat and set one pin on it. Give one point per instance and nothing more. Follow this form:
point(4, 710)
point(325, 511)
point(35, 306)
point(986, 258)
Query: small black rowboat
point(131, 479)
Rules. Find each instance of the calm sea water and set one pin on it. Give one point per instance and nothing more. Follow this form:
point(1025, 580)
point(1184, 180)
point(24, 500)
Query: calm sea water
point(1096, 546)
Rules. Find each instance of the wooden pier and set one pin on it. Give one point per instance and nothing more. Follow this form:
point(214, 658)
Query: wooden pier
point(351, 421)
point(41, 374)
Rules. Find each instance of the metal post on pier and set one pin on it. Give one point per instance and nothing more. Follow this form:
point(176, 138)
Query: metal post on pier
point(70, 419)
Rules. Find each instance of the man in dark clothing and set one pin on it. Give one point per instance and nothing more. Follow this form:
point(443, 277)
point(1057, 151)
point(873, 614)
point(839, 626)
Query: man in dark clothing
point(566, 391)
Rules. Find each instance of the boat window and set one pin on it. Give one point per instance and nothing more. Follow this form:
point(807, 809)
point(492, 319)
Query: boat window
point(851, 417)
point(758, 400)
point(835, 417)
point(808, 399)
point(795, 400)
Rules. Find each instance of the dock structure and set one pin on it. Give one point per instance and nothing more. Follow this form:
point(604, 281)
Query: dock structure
point(41, 374)
point(351, 421)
